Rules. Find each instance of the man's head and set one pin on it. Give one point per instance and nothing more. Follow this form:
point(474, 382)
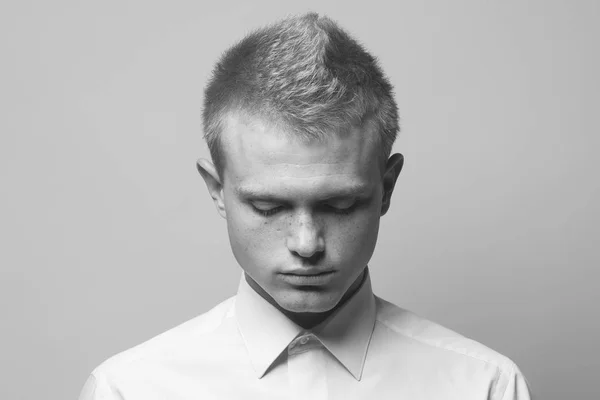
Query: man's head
point(300, 122)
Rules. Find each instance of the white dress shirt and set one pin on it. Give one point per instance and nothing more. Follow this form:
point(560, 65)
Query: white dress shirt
point(245, 348)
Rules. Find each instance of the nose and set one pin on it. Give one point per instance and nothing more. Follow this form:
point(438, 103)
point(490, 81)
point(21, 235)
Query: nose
point(305, 237)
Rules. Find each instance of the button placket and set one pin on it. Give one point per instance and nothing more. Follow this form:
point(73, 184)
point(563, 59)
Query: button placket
point(307, 368)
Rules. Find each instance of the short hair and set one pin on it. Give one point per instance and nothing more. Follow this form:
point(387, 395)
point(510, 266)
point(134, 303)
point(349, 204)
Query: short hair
point(305, 73)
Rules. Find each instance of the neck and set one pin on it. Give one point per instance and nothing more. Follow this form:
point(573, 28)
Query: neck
point(308, 320)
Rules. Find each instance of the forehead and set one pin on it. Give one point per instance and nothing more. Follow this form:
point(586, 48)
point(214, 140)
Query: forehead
point(261, 157)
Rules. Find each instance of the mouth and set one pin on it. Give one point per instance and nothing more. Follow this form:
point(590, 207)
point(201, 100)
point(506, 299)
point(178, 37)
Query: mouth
point(307, 278)
point(308, 272)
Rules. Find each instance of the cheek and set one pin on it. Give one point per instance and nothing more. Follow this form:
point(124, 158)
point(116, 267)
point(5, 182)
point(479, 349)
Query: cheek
point(252, 239)
point(354, 240)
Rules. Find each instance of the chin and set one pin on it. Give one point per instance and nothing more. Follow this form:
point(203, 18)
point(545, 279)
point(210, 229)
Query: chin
point(308, 302)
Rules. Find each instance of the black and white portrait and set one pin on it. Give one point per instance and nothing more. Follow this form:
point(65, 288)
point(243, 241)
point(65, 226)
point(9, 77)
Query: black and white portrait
point(301, 200)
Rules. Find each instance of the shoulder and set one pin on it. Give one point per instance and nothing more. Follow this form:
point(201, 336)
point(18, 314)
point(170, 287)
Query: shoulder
point(441, 340)
point(186, 337)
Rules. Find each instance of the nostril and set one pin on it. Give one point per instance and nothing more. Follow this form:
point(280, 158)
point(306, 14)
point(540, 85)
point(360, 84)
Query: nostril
point(312, 259)
point(306, 242)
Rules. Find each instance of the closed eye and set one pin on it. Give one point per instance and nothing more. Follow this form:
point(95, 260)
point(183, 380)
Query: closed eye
point(266, 209)
point(343, 208)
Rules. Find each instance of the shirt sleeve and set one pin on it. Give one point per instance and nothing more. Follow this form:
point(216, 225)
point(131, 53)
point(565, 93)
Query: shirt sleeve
point(95, 388)
point(517, 387)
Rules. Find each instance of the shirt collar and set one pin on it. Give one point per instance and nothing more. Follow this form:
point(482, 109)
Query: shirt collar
point(267, 332)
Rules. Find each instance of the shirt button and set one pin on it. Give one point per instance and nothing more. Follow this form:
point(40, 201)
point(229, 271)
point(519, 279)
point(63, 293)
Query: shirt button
point(304, 340)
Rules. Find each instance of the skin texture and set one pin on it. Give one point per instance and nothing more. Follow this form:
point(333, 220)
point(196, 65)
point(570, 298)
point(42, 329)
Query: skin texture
point(324, 199)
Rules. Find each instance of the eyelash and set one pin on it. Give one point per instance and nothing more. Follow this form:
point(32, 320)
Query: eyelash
point(267, 213)
point(341, 211)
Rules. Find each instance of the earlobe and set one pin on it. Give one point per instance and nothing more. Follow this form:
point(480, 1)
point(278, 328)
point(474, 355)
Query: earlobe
point(392, 170)
point(213, 183)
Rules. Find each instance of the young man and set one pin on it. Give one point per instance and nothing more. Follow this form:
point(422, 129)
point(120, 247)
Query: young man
point(300, 121)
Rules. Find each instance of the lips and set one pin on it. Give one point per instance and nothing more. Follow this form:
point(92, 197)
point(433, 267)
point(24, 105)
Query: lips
point(307, 278)
point(307, 272)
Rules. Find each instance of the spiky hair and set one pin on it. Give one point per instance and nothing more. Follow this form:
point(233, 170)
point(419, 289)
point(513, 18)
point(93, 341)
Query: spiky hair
point(304, 73)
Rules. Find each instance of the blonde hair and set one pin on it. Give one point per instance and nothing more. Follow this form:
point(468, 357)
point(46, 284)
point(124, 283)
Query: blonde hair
point(306, 73)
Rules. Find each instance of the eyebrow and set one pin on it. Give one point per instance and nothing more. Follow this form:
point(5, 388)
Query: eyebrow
point(352, 190)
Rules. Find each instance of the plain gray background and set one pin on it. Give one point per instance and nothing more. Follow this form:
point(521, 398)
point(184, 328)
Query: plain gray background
point(109, 237)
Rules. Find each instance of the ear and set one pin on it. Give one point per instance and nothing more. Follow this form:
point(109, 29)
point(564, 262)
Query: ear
point(213, 184)
point(392, 170)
